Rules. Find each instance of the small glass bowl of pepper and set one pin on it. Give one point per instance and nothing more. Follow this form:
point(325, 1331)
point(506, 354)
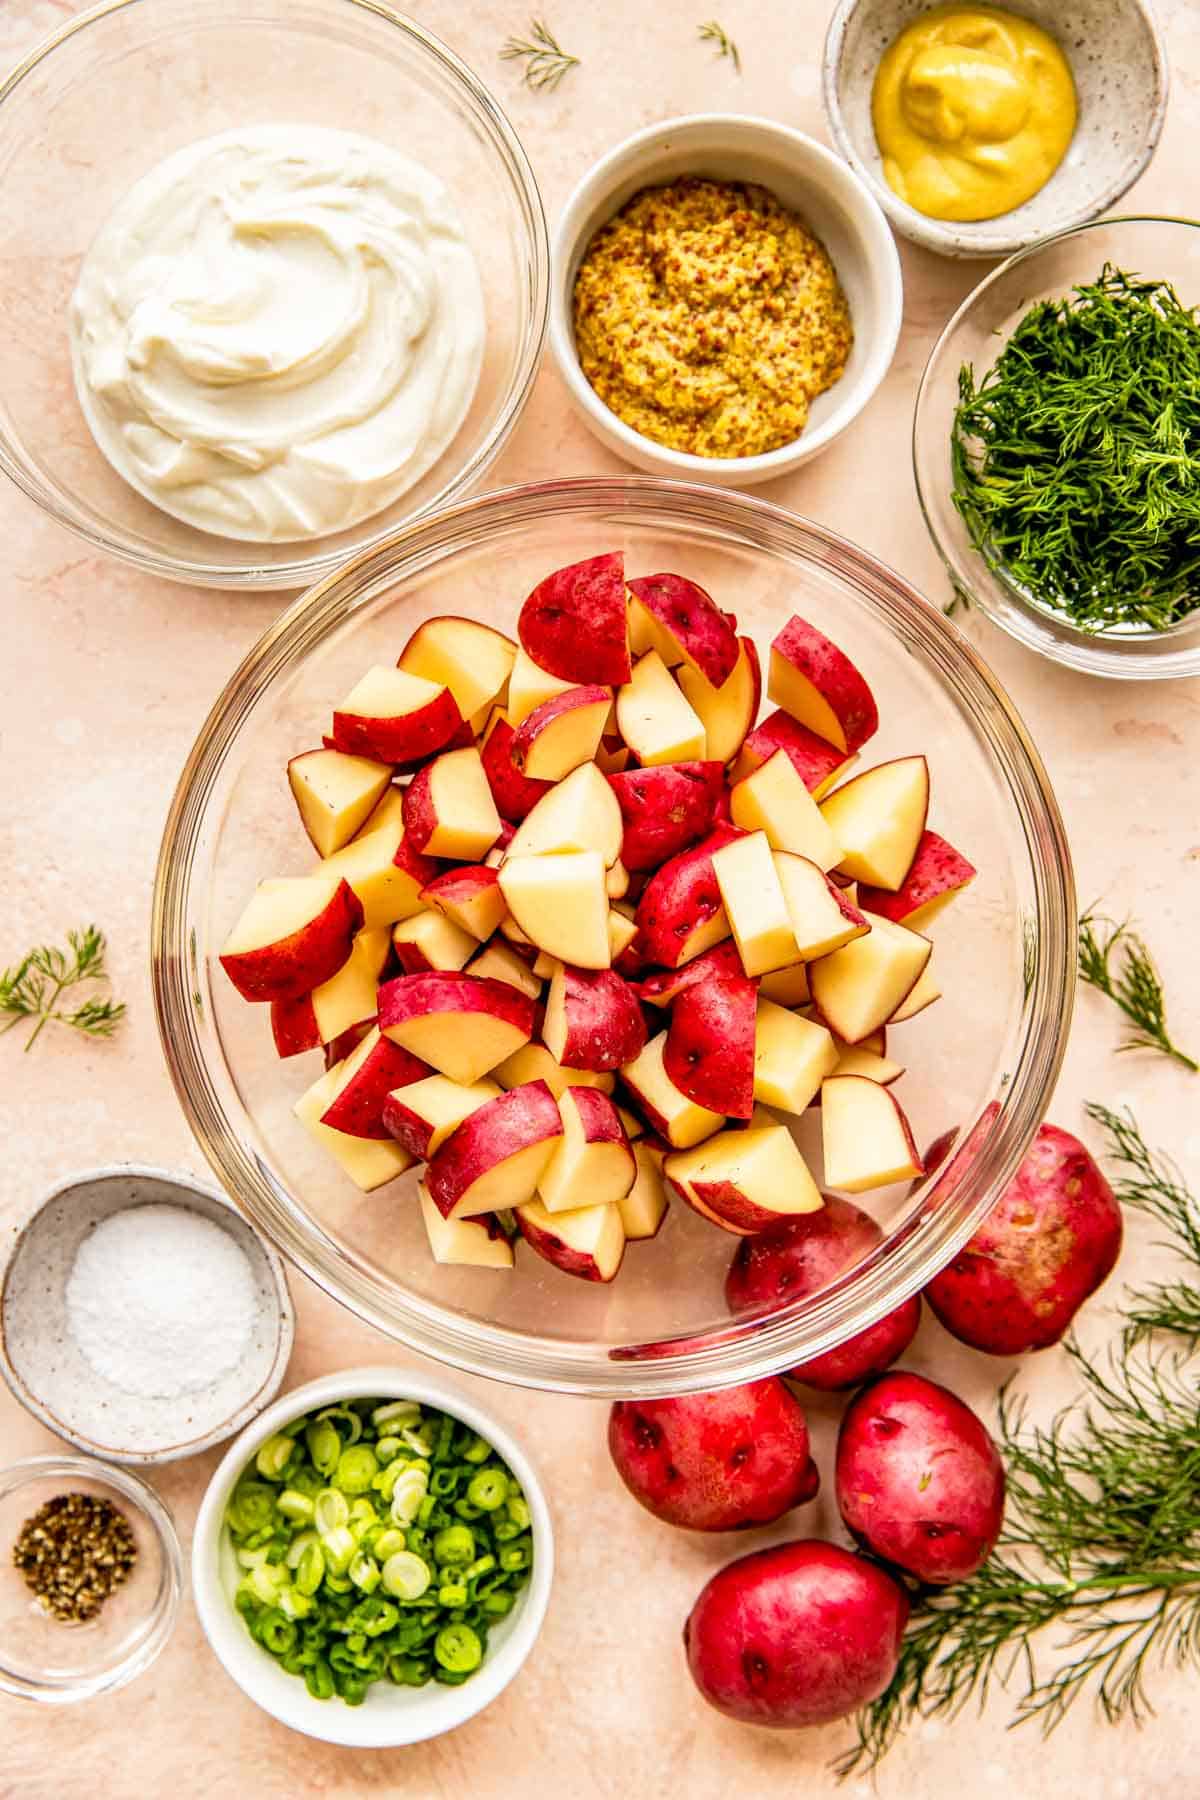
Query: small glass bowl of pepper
point(90, 1578)
point(373, 1558)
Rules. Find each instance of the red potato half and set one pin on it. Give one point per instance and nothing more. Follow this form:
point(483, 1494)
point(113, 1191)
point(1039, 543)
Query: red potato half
point(675, 616)
point(473, 660)
point(593, 1163)
point(801, 1634)
point(664, 809)
point(335, 794)
point(449, 810)
point(459, 1024)
point(878, 818)
point(422, 1114)
point(1049, 1242)
point(938, 872)
point(816, 683)
point(498, 1154)
point(681, 914)
point(800, 1257)
point(593, 1019)
point(396, 718)
point(574, 623)
point(744, 1180)
point(514, 793)
point(919, 1480)
point(727, 712)
point(431, 941)
point(715, 1462)
point(371, 1073)
point(817, 763)
point(709, 1052)
point(477, 1243)
point(293, 935)
point(562, 733)
point(588, 1242)
point(384, 870)
point(469, 897)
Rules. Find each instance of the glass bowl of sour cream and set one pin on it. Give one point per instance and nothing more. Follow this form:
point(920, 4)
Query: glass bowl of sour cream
point(275, 283)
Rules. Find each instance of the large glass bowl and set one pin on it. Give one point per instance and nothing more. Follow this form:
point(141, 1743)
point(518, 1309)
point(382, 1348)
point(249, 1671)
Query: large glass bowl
point(1157, 249)
point(985, 1057)
point(112, 92)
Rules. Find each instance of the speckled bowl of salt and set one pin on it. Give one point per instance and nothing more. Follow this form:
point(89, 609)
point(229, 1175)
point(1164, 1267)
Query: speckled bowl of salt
point(141, 1317)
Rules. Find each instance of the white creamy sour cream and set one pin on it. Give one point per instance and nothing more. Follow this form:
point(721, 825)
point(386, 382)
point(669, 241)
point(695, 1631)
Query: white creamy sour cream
point(278, 331)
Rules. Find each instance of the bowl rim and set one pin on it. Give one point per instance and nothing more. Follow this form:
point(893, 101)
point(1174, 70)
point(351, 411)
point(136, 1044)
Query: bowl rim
point(739, 1351)
point(882, 255)
point(160, 1620)
point(244, 1414)
point(1040, 628)
point(215, 1611)
point(962, 239)
point(262, 574)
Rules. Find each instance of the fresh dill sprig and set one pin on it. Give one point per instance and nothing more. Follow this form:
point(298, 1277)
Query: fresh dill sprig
point(1134, 985)
point(33, 987)
point(545, 61)
point(715, 34)
point(1096, 1579)
point(1150, 1183)
point(1076, 458)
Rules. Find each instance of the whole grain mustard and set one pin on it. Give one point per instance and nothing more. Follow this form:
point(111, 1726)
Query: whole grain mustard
point(708, 318)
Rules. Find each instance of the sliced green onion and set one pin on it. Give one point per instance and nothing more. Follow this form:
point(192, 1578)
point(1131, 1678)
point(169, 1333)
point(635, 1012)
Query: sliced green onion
point(405, 1575)
point(518, 1511)
point(388, 1542)
point(388, 1448)
point(298, 1546)
point(356, 1469)
point(310, 1571)
point(354, 1425)
point(452, 1594)
point(396, 1413)
point(294, 1505)
point(458, 1649)
point(339, 1548)
point(274, 1456)
point(456, 1544)
point(364, 1573)
point(330, 1510)
point(488, 1490)
point(293, 1604)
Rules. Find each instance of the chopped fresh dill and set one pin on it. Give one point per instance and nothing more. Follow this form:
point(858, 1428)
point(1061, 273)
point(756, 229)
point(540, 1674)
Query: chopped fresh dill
point(545, 61)
point(1134, 984)
point(1076, 458)
point(33, 987)
point(719, 38)
point(1095, 1582)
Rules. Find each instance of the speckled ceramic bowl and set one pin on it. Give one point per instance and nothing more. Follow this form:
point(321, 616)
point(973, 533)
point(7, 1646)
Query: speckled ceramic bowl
point(1119, 62)
point(48, 1373)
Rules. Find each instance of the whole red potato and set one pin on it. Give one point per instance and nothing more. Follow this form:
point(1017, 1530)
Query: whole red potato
point(919, 1480)
point(715, 1462)
point(1047, 1244)
point(799, 1257)
point(800, 1634)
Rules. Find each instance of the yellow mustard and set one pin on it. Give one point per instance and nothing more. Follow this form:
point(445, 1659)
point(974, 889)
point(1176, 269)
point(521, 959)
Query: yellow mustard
point(973, 111)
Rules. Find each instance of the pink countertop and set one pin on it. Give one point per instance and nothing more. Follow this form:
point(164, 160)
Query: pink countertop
point(108, 678)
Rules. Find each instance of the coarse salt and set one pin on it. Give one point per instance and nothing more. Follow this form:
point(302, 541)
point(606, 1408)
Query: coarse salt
point(161, 1301)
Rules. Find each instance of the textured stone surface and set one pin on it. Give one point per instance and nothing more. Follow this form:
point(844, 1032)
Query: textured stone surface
point(107, 678)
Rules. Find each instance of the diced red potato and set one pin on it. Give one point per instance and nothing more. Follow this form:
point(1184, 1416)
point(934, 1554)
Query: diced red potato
point(715, 1462)
point(1050, 1241)
point(654, 717)
point(335, 794)
point(449, 810)
point(395, 718)
point(561, 734)
point(431, 941)
point(923, 993)
point(561, 905)
point(664, 809)
point(471, 659)
point(709, 1053)
point(822, 917)
point(422, 1114)
point(494, 1160)
point(645, 1206)
point(754, 903)
point(371, 1073)
point(937, 873)
point(801, 1634)
point(293, 935)
point(459, 1024)
point(347, 998)
point(368, 1162)
point(817, 763)
point(798, 1258)
point(501, 962)
point(574, 623)
point(514, 793)
point(593, 1019)
point(865, 1134)
point(681, 913)
point(791, 1057)
point(675, 616)
point(385, 872)
point(878, 818)
point(533, 1062)
point(773, 799)
point(787, 987)
point(727, 712)
point(588, 1242)
point(593, 1160)
point(816, 683)
point(859, 987)
point(470, 897)
point(666, 1110)
point(581, 812)
point(664, 987)
point(744, 1180)
point(919, 1481)
point(479, 1242)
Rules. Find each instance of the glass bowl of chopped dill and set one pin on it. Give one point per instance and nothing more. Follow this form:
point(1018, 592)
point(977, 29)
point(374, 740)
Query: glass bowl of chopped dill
point(1056, 447)
point(90, 1578)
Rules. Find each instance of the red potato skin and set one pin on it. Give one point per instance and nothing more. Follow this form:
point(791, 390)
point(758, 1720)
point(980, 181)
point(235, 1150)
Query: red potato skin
point(720, 963)
point(406, 739)
point(680, 896)
point(1049, 1242)
point(423, 869)
point(534, 723)
point(358, 1109)
point(801, 1634)
point(798, 1257)
point(599, 1118)
point(574, 622)
point(936, 869)
point(515, 794)
point(409, 995)
point(408, 1129)
point(715, 1462)
point(706, 636)
point(294, 1026)
point(815, 761)
point(300, 962)
point(508, 1124)
point(919, 1481)
point(558, 1253)
point(605, 1026)
point(459, 884)
point(665, 808)
point(420, 818)
point(339, 1048)
point(831, 672)
point(709, 1052)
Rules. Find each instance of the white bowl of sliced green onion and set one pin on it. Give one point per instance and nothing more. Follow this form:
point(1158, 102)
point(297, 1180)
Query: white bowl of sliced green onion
point(373, 1558)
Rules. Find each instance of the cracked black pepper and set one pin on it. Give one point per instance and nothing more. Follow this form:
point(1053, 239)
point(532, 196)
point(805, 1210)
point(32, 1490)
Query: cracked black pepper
point(73, 1552)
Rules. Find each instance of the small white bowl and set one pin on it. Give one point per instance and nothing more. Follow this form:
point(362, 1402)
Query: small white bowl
point(47, 1371)
point(808, 179)
point(1119, 61)
point(389, 1716)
